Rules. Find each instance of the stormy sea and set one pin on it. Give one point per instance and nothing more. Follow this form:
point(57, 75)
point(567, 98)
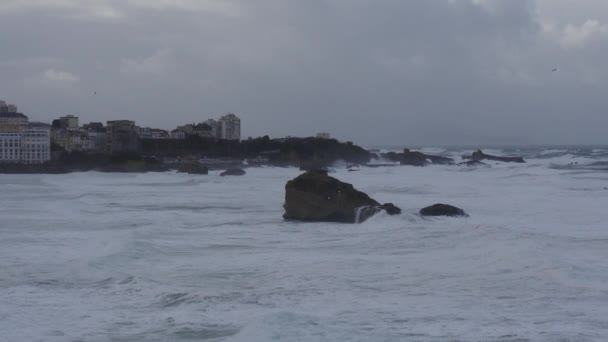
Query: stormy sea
point(175, 257)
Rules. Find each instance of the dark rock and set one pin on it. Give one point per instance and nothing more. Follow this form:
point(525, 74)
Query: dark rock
point(416, 158)
point(193, 168)
point(233, 172)
point(479, 155)
point(391, 209)
point(442, 210)
point(316, 197)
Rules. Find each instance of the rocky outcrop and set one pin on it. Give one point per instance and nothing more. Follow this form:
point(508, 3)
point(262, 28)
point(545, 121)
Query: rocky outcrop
point(479, 156)
point(391, 209)
point(193, 168)
point(442, 210)
point(233, 172)
point(283, 151)
point(316, 197)
point(414, 158)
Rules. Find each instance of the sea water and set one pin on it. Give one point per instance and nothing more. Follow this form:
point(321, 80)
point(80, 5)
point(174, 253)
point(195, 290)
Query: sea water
point(175, 257)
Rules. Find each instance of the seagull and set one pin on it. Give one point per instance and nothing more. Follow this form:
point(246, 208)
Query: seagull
point(554, 70)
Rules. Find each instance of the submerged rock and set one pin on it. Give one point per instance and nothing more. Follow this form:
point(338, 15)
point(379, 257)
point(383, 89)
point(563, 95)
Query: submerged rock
point(233, 172)
point(193, 168)
point(473, 163)
point(316, 197)
point(479, 155)
point(442, 210)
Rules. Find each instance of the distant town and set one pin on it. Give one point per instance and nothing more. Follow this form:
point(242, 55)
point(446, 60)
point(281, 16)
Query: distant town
point(29, 142)
point(25, 141)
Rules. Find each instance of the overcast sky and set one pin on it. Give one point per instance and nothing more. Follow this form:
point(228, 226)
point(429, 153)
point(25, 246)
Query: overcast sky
point(424, 72)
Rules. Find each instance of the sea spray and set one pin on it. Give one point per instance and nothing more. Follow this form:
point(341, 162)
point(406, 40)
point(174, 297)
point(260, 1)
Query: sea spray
point(364, 212)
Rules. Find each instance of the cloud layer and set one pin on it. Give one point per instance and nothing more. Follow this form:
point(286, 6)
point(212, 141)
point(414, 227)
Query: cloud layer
point(376, 72)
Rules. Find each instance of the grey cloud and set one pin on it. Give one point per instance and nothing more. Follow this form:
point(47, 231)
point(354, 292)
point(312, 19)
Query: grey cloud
point(375, 72)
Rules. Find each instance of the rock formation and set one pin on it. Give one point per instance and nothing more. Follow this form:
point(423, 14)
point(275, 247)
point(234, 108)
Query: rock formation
point(316, 197)
point(479, 155)
point(442, 210)
point(414, 158)
point(233, 172)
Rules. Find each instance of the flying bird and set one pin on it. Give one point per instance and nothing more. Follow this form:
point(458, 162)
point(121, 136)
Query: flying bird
point(554, 70)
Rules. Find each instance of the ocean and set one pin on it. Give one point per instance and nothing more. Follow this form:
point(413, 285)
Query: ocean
point(175, 257)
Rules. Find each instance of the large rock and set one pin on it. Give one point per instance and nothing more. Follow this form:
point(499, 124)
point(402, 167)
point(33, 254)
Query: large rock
point(442, 210)
point(479, 155)
point(193, 168)
point(414, 158)
point(316, 197)
point(233, 172)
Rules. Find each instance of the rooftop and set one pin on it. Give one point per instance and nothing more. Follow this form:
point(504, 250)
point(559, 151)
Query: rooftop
point(12, 115)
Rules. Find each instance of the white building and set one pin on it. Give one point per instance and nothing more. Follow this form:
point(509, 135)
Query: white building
point(10, 147)
point(229, 127)
point(30, 146)
point(20, 141)
point(36, 144)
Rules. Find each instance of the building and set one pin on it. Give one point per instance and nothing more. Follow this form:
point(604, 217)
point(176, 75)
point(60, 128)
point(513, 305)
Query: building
point(230, 127)
point(36, 143)
point(11, 122)
point(204, 130)
point(97, 136)
point(69, 122)
point(178, 134)
point(7, 108)
point(215, 128)
point(10, 147)
point(323, 135)
point(22, 142)
point(158, 133)
point(144, 132)
point(121, 136)
point(187, 128)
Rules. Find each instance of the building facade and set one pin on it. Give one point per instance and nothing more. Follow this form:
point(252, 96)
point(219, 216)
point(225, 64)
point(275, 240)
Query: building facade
point(230, 127)
point(178, 134)
point(36, 144)
point(12, 122)
point(22, 142)
point(69, 122)
point(214, 128)
point(121, 136)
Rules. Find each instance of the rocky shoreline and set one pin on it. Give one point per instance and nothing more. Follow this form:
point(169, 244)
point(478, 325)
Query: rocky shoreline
point(200, 156)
